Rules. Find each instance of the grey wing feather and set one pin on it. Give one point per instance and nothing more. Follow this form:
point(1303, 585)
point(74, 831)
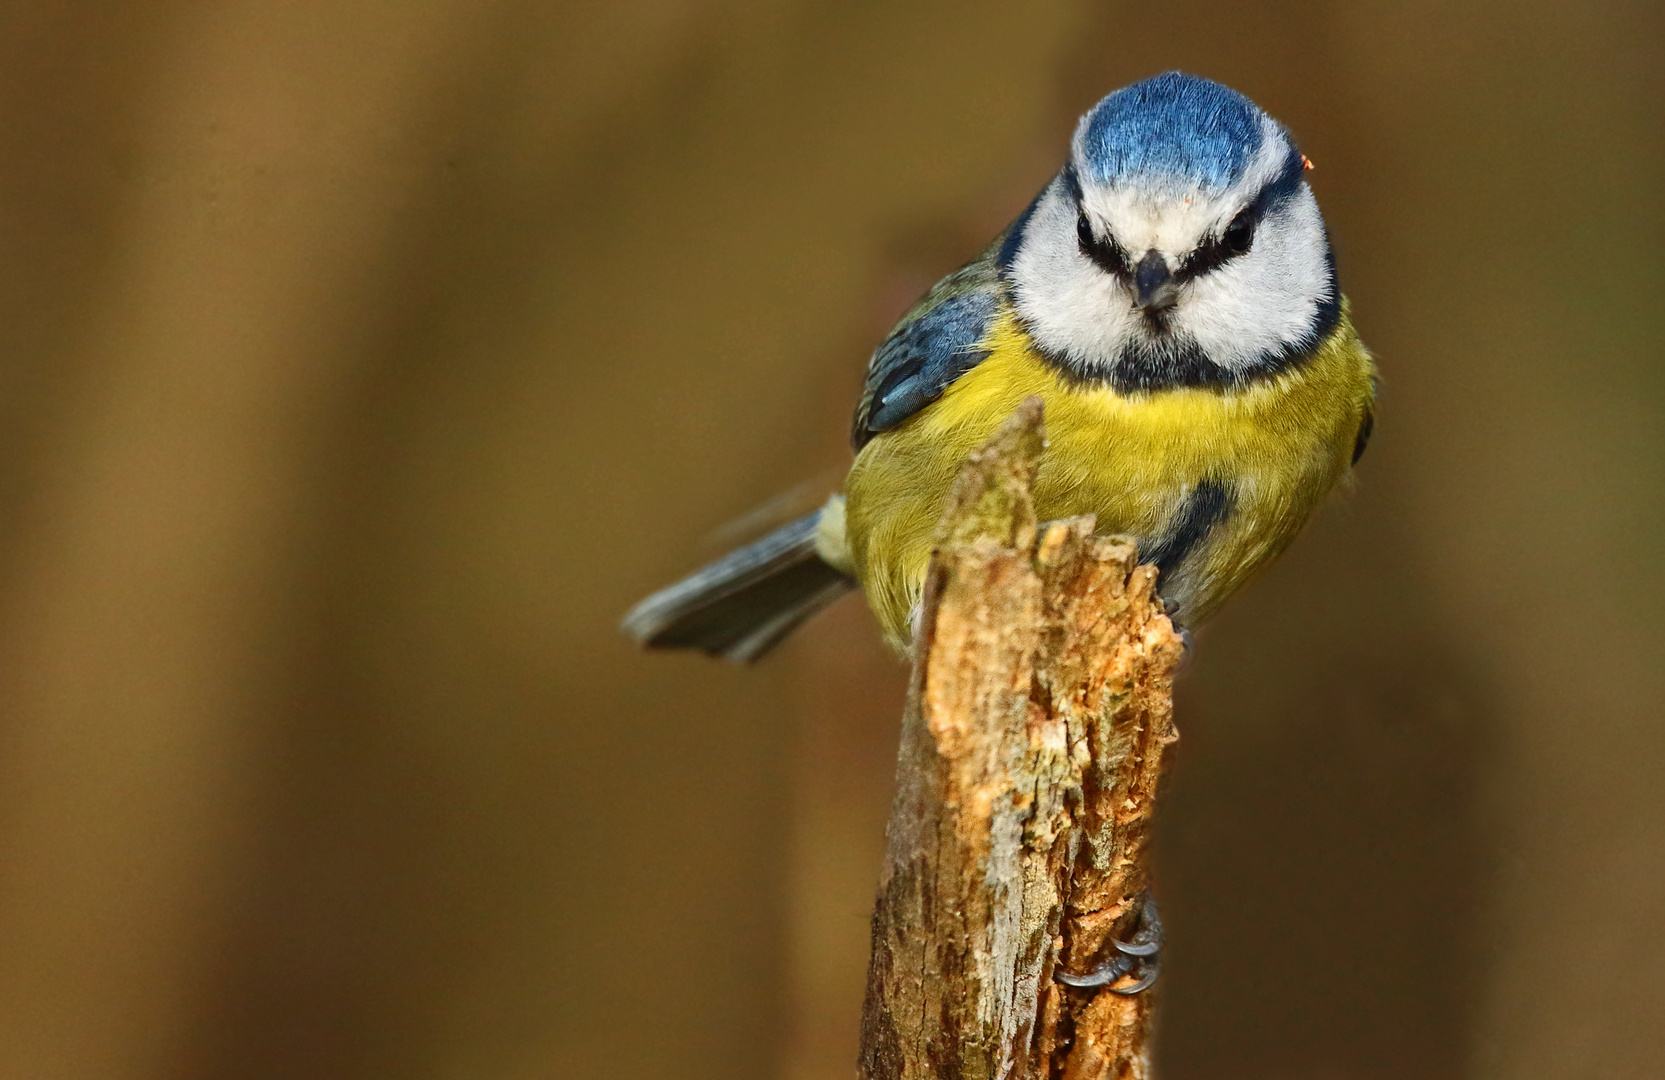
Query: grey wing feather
point(934, 343)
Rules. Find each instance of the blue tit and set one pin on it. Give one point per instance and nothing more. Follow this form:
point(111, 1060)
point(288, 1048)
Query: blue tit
point(1171, 296)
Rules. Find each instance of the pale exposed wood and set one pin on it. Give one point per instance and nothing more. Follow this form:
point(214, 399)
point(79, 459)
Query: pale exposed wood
point(1032, 744)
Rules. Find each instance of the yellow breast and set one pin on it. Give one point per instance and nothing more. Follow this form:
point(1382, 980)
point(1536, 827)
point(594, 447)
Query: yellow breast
point(1279, 444)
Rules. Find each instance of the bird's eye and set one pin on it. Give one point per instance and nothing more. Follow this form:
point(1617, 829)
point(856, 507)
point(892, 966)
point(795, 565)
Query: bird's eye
point(1240, 234)
point(1084, 234)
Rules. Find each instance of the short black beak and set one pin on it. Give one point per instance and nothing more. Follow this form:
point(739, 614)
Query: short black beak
point(1153, 283)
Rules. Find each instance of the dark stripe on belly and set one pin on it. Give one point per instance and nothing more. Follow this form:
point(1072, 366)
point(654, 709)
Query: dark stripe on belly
point(1206, 506)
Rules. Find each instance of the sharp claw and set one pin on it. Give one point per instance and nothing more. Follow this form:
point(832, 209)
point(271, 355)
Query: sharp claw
point(1152, 970)
point(1148, 939)
point(1108, 972)
point(1137, 947)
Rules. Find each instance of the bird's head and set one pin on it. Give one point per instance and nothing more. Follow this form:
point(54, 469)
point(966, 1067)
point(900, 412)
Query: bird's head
point(1180, 245)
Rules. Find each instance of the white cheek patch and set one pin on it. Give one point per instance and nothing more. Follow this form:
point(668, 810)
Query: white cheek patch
point(1072, 306)
point(1266, 300)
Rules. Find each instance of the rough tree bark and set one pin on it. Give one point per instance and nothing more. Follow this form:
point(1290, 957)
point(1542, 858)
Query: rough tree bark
point(1033, 739)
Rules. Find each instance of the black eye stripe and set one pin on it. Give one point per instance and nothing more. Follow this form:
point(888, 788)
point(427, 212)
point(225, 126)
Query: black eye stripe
point(1235, 239)
point(1238, 237)
point(1109, 255)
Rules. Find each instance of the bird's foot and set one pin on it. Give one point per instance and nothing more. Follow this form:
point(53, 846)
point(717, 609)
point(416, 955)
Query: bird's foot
point(1170, 608)
point(1139, 957)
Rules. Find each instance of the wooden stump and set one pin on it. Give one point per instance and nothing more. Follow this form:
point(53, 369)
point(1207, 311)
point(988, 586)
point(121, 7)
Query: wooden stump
point(1032, 744)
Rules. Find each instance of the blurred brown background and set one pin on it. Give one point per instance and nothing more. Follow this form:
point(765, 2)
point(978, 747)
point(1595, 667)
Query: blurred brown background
point(361, 362)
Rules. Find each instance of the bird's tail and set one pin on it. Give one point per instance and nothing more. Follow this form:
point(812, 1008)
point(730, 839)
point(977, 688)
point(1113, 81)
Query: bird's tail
point(743, 604)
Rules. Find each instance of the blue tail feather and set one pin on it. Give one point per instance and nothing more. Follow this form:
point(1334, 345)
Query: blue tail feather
point(742, 605)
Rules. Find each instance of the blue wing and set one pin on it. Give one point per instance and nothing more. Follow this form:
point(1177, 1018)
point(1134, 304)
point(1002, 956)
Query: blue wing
point(935, 343)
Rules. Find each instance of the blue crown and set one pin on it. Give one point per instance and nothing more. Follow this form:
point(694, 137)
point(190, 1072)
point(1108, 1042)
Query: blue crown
point(1174, 126)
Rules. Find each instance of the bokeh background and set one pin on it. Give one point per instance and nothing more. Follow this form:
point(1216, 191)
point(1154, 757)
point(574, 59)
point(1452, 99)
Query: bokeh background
point(362, 361)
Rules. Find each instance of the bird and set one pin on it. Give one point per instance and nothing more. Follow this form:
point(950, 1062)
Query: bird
point(1171, 296)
